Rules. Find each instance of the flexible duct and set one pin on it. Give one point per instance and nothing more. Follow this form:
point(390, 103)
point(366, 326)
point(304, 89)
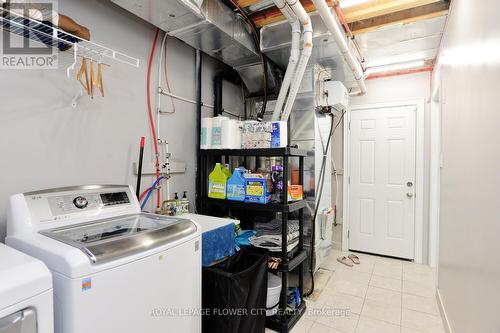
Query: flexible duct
point(338, 35)
point(307, 33)
point(292, 60)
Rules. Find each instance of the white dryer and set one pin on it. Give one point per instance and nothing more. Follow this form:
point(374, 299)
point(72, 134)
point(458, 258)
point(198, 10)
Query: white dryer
point(25, 294)
point(115, 269)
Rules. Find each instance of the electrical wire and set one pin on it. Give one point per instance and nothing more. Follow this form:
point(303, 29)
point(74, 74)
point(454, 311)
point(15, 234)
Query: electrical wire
point(321, 182)
point(150, 113)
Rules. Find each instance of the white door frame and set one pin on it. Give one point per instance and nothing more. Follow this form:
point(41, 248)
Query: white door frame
point(419, 170)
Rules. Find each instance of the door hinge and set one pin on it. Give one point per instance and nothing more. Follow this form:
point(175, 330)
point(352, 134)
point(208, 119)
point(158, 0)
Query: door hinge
point(348, 233)
point(349, 125)
point(349, 180)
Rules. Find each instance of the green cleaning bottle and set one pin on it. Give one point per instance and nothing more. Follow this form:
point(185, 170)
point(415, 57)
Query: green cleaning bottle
point(217, 181)
point(227, 170)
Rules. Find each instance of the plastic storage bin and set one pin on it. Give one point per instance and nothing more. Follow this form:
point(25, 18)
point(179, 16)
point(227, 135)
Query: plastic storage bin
point(273, 294)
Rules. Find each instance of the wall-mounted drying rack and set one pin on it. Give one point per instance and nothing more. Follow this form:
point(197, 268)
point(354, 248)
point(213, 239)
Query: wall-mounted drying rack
point(46, 33)
point(50, 35)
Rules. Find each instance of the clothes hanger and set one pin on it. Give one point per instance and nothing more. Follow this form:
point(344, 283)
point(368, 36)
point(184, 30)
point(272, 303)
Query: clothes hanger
point(100, 84)
point(92, 78)
point(81, 72)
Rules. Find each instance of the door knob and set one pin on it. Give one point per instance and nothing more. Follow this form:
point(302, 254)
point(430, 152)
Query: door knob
point(409, 195)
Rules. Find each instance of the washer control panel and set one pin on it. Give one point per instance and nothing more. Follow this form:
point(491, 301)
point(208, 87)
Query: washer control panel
point(69, 203)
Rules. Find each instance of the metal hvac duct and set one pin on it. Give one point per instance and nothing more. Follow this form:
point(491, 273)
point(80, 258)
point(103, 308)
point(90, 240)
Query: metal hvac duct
point(210, 26)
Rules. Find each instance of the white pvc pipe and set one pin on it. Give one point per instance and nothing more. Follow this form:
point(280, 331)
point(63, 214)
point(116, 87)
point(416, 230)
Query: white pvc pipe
point(338, 35)
point(292, 60)
point(290, 71)
point(305, 20)
point(158, 113)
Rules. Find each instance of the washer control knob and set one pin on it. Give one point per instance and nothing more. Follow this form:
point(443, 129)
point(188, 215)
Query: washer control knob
point(80, 202)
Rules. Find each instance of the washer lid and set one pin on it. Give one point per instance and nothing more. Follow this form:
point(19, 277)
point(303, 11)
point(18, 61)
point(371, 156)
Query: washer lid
point(112, 238)
point(21, 277)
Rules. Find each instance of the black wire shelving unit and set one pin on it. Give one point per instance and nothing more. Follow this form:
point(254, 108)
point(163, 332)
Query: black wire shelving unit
point(284, 320)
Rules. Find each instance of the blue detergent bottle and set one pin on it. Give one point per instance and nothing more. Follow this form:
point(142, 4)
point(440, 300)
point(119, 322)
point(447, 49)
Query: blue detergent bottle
point(236, 185)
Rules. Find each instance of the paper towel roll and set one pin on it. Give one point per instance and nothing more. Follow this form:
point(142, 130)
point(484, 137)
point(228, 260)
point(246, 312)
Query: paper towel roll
point(230, 135)
point(237, 141)
point(206, 133)
point(216, 141)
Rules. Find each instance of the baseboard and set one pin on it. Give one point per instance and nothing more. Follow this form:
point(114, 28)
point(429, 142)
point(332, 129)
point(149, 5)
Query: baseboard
point(446, 322)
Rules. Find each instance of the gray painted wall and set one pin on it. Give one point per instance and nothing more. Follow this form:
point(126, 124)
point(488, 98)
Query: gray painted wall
point(395, 89)
point(469, 235)
point(46, 143)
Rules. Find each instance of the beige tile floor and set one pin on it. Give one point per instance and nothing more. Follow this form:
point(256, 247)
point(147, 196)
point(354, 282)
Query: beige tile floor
point(381, 295)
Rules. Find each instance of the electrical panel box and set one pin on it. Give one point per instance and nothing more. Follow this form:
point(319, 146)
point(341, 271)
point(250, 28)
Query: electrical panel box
point(335, 95)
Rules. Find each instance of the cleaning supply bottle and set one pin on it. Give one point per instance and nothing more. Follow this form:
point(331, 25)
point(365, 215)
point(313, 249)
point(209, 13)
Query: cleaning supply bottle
point(277, 179)
point(184, 203)
point(236, 185)
point(227, 170)
point(217, 181)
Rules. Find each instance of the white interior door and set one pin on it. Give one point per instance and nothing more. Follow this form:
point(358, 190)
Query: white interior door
point(382, 181)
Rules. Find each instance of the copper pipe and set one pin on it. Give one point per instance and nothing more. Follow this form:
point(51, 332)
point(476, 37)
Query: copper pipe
point(398, 73)
point(343, 21)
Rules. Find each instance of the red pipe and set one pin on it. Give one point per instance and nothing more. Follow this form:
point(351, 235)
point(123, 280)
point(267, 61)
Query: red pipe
point(343, 21)
point(150, 112)
point(397, 73)
point(144, 193)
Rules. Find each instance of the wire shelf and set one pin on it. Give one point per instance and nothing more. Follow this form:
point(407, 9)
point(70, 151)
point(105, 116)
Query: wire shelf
point(46, 33)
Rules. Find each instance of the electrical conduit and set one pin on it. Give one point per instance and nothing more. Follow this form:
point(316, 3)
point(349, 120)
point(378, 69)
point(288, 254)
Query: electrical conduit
point(307, 32)
point(150, 113)
point(292, 60)
point(338, 35)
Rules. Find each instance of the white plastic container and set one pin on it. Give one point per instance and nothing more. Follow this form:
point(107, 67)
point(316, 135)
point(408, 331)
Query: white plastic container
point(216, 141)
point(206, 133)
point(273, 294)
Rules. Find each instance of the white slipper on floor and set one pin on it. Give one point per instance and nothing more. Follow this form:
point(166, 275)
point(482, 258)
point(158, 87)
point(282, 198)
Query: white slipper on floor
point(344, 260)
point(354, 258)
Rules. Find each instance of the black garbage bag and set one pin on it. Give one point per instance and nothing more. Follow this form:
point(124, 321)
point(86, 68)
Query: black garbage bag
point(234, 294)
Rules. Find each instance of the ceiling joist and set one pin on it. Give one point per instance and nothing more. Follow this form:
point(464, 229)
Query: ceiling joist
point(401, 17)
point(247, 3)
point(376, 9)
point(273, 14)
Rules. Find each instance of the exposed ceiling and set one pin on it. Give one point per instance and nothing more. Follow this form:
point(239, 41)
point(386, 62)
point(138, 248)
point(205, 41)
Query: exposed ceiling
point(387, 31)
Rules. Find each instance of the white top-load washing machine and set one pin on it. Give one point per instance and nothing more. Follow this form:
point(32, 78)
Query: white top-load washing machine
point(115, 269)
point(25, 294)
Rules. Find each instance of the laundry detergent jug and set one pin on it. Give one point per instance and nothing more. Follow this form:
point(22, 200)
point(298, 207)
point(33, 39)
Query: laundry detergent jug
point(236, 185)
point(217, 181)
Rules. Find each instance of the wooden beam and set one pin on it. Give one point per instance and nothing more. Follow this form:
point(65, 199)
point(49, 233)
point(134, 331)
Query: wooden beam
point(405, 16)
point(272, 15)
point(247, 3)
point(376, 8)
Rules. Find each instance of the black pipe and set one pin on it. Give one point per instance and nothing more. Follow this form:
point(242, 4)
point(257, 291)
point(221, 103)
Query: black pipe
point(139, 168)
point(230, 76)
point(198, 63)
point(217, 95)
